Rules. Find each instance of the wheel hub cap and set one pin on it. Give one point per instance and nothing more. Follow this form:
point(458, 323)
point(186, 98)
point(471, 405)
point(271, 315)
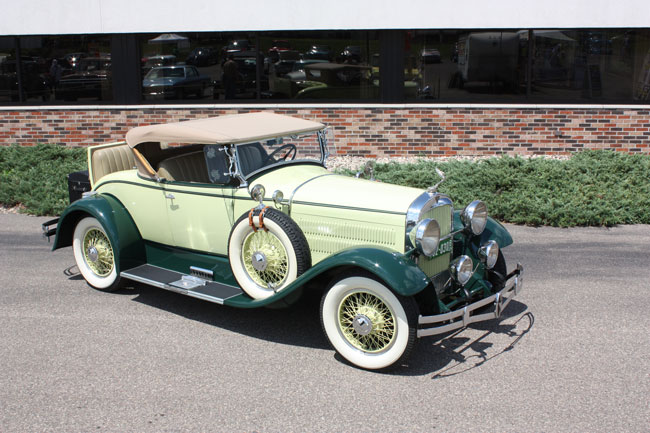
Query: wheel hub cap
point(92, 253)
point(98, 253)
point(265, 259)
point(366, 322)
point(362, 324)
point(259, 261)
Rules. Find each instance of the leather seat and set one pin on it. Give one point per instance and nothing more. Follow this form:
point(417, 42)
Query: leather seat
point(111, 159)
point(251, 157)
point(190, 167)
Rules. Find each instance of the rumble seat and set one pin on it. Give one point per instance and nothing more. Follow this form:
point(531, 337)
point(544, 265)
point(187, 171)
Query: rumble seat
point(189, 167)
point(108, 160)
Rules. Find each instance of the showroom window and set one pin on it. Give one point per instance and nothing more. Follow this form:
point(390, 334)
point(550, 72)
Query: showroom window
point(320, 65)
point(310, 65)
point(465, 66)
point(600, 66)
point(519, 66)
point(8, 71)
point(198, 67)
point(57, 69)
point(515, 66)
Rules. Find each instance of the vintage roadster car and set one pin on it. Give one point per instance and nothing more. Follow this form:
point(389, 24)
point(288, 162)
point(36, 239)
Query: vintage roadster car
point(240, 210)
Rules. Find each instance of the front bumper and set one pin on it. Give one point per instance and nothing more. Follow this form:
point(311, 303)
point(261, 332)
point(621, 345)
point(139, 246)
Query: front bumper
point(461, 318)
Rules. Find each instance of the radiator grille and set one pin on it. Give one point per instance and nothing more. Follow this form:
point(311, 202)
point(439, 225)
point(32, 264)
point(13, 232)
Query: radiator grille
point(434, 266)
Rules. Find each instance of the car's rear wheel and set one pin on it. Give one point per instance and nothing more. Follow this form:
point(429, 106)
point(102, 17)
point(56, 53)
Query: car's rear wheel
point(266, 260)
point(95, 256)
point(368, 324)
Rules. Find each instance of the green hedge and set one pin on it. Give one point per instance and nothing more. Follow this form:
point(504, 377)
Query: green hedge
point(36, 177)
point(593, 188)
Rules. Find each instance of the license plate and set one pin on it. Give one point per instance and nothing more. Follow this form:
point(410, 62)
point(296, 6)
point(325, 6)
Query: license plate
point(445, 247)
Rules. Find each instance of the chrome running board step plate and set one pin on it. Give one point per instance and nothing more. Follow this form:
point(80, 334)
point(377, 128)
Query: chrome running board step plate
point(181, 283)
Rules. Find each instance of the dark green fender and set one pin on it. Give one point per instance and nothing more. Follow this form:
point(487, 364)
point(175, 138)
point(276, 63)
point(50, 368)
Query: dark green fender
point(493, 231)
point(400, 273)
point(119, 226)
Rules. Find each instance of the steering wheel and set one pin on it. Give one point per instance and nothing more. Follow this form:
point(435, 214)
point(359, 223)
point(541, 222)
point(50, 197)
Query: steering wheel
point(292, 149)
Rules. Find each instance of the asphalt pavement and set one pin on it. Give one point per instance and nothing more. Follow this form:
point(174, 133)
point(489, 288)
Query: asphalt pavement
point(572, 353)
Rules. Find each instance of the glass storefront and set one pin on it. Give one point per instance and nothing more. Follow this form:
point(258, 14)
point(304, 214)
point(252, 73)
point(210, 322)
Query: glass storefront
point(514, 66)
point(323, 65)
point(8, 75)
point(600, 66)
point(253, 66)
point(202, 67)
point(63, 69)
point(534, 66)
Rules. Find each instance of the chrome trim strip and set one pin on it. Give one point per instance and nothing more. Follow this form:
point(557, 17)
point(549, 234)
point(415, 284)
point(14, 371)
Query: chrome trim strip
point(463, 317)
point(206, 274)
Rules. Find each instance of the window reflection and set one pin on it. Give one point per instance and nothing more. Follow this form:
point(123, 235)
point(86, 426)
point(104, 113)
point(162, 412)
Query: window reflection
point(465, 66)
point(583, 66)
point(8, 76)
point(64, 68)
point(198, 66)
point(591, 65)
point(320, 65)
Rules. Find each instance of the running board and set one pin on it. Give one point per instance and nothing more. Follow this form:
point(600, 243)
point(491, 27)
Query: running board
point(181, 283)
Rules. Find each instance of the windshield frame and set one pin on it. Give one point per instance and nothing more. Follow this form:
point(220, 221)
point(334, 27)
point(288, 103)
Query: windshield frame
point(236, 166)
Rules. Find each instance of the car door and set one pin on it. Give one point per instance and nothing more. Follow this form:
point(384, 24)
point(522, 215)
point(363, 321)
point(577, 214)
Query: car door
point(200, 213)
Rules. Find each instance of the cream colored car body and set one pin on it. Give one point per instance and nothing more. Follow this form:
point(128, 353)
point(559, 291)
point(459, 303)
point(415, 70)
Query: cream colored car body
point(334, 211)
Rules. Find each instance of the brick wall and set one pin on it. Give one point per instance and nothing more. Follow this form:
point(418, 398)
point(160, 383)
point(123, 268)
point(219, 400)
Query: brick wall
point(374, 131)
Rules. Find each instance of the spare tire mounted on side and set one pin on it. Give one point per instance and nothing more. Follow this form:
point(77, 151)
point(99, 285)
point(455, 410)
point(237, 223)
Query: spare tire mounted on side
point(267, 257)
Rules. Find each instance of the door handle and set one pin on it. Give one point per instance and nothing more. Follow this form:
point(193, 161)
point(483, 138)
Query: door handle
point(170, 196)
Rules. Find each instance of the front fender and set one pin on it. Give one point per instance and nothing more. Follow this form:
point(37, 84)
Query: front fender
point(493, 231)
point(116, 221)
point(399, 272)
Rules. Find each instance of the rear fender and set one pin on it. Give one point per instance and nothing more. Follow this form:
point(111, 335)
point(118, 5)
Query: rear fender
point(118, 224)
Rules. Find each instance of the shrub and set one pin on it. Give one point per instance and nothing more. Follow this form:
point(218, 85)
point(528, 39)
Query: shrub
point(36, 176)
point(592, 188)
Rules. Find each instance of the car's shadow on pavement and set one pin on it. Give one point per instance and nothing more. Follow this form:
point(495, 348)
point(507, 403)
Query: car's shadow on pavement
point(463, 350)
point(297, 325)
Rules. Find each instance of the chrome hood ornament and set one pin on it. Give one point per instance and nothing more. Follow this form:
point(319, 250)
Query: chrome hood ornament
point(433, 189)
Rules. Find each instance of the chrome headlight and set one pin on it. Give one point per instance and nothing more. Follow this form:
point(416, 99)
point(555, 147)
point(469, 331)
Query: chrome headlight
point(474, 216)
point(278, 196)
point(257, 193)
point(461, 269)
point(489, 253)
point(425, 236)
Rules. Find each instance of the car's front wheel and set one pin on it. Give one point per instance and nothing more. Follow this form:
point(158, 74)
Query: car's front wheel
point(368, 324)
point(94, 255)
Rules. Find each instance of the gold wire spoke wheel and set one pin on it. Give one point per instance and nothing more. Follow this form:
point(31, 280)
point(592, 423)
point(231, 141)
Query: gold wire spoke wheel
point(366, 322)
point(274, 261)
point(98, 252)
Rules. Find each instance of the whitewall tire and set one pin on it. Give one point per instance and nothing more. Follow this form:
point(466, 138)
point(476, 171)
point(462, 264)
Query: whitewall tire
point(368, 324)
point(94, 254)
point(266, 261)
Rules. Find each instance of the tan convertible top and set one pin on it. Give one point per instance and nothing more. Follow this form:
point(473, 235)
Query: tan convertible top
point(236, 128)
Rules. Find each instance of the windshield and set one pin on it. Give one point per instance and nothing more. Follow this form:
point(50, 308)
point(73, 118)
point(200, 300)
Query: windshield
point(165, 73)
point(258, 156)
